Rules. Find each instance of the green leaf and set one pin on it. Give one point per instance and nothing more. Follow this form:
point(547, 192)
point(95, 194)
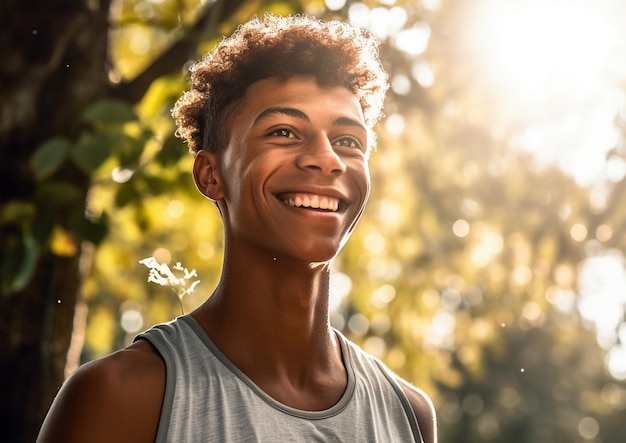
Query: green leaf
point(142, 219)
point(91, 230)
point(43, 226)
point(91, 152)
point(17, 212)
point(129, 151)
point(109, 112)
point(19, 260)
point(126, 194)
point(57, 193)
point(49, 156)
point(171, 151)
point(157, 185)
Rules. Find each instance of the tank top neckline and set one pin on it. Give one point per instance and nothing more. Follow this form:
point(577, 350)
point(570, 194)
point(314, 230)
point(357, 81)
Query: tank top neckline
point(343, 401)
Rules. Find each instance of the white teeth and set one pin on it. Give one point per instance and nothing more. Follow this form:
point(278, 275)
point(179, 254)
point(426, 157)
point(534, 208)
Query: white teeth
point(313, 201)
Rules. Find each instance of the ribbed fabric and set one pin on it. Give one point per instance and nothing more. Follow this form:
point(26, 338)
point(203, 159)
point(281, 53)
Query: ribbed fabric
point(208, 399)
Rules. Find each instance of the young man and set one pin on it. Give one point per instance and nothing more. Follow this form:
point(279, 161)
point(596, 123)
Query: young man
point(280, 117)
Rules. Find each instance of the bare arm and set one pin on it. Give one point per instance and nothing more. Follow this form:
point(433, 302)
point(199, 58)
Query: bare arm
point(424, 411)
point(117, 398)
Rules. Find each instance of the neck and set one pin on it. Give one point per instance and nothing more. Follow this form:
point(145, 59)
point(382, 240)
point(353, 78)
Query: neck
point(273, 308)
point(269, 317)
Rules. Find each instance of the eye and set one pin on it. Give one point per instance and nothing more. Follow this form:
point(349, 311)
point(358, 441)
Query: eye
point(282, 132)
point(349, 142)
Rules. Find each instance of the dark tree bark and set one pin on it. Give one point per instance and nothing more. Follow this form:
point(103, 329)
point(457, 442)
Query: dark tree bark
point(54, 65)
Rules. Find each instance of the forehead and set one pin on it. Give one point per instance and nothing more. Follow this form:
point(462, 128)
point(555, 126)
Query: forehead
point(303, 93)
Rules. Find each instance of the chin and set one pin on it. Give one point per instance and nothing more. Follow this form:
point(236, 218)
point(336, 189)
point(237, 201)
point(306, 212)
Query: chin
point(318, 256)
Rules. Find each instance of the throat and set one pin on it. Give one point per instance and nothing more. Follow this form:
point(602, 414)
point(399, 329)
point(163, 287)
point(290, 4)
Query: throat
point(315, 390)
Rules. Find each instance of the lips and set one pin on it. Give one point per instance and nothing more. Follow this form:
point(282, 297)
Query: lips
point(310, 201)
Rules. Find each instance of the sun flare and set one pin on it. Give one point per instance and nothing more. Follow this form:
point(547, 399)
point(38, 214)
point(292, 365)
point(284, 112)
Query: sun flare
point(539, 46)
point(554, 68)
point(552, 44)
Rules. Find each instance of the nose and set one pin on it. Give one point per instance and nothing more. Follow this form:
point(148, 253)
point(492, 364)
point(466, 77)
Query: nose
point(319, 155)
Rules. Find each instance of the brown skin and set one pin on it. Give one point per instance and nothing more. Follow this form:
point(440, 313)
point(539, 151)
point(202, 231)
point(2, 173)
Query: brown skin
point(273, 324)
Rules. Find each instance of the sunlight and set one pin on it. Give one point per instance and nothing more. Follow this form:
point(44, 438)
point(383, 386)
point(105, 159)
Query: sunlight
point(616, 362)
point(547, 42)
point(602, 287)
point(554, 70)
point(489, 246)
point(441, 331)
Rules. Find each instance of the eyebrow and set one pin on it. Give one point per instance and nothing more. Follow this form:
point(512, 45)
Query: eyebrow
point(291, 112)
point(296, 113)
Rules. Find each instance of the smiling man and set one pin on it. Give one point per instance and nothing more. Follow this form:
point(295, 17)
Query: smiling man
point(280, 118)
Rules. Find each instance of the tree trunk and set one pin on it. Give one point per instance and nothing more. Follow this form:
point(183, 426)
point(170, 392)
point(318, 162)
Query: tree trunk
point(54, 65)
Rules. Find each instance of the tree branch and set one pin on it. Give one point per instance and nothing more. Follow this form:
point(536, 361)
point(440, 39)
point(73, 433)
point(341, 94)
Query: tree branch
point(180, 52)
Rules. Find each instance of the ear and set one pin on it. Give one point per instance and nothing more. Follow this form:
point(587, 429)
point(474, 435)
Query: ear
point(207, 175)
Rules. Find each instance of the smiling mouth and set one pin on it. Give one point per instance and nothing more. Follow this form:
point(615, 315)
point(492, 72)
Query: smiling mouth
point(311, 201)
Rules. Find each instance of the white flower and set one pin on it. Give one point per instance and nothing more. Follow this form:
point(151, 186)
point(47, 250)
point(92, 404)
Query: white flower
point(161, 274)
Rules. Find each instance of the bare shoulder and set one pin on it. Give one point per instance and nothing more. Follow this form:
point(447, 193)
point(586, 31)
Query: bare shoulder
point(116, 398)
point(423, 409)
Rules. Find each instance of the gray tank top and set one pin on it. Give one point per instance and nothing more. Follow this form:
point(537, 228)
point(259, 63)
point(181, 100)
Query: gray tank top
point(208, 399)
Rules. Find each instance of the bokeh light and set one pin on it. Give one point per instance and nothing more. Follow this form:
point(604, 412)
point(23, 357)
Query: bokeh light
point(554, 65)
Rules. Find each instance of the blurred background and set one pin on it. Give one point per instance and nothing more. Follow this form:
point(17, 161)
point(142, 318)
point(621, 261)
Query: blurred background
point(488, 269)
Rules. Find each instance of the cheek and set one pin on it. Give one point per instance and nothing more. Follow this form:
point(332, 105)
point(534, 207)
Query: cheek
point(246, 183)
point(363, 181)
point(237, 172)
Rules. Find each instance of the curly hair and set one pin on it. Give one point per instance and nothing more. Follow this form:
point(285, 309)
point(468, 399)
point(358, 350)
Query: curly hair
point(334, 52)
